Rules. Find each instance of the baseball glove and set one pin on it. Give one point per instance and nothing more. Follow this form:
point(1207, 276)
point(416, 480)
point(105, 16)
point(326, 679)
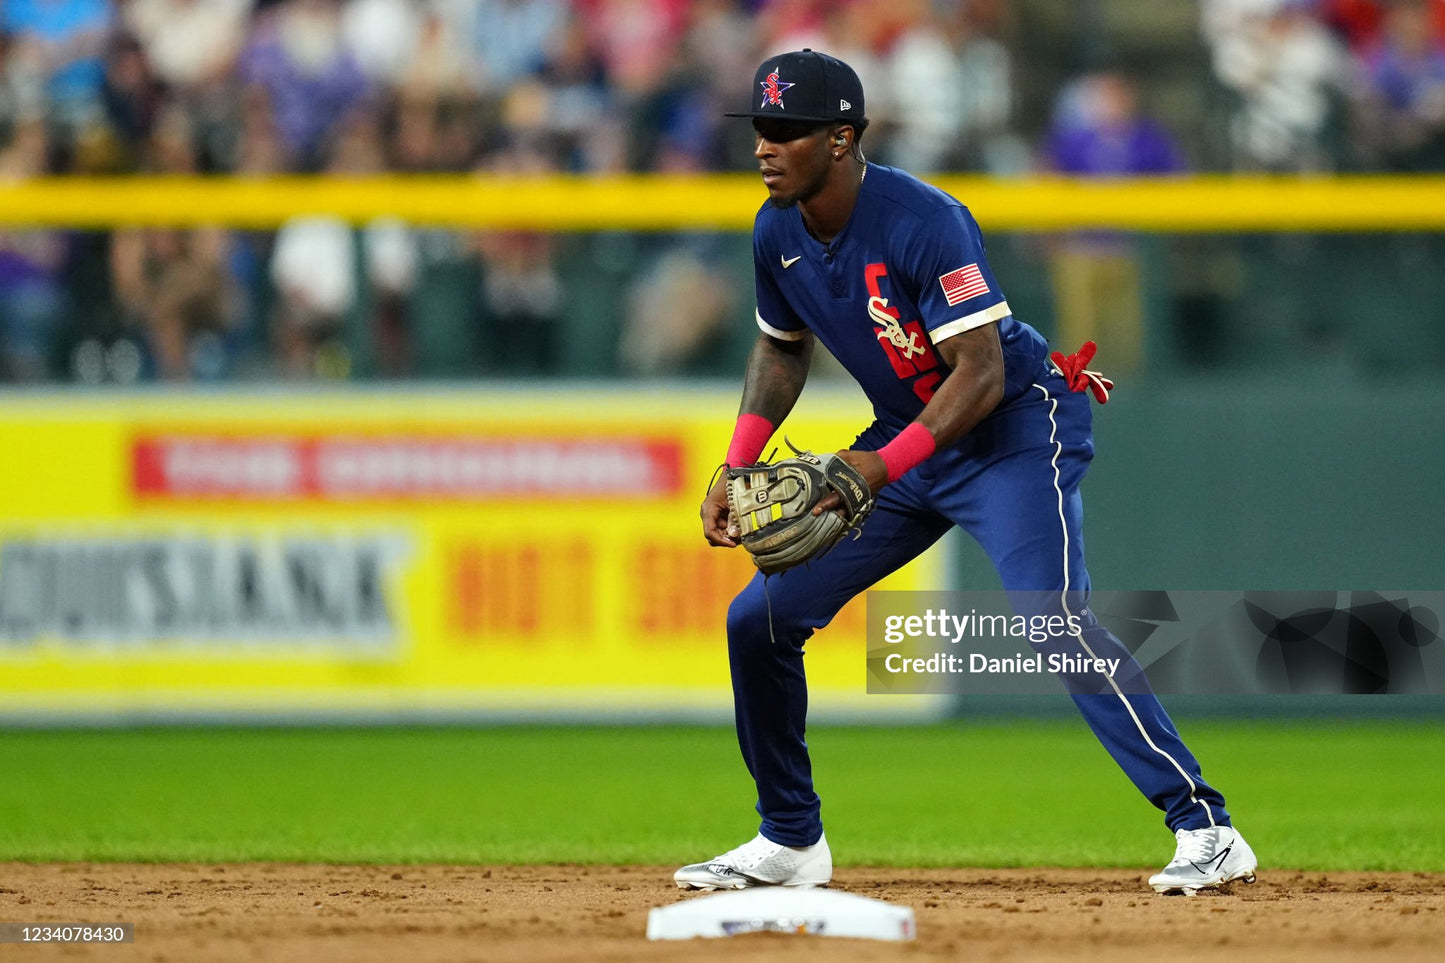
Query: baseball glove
point(773, 505)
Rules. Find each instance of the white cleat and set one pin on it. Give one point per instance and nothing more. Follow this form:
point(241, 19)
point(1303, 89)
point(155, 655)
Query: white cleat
point(1205, 859)
point(761, 862)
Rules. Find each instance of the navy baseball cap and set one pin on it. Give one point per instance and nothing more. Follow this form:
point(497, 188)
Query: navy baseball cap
point(806, 86)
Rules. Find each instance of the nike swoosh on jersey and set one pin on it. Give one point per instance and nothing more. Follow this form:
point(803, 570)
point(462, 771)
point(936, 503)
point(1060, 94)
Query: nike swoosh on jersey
point(789, 261)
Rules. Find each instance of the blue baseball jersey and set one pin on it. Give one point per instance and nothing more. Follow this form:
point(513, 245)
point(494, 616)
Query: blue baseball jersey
point(907, 271)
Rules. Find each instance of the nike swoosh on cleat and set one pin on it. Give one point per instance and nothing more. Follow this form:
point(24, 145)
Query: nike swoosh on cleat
point(1218, 859)
point(789, 261)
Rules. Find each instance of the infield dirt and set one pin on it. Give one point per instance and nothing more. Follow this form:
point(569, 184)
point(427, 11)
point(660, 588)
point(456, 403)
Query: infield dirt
point(419, 914)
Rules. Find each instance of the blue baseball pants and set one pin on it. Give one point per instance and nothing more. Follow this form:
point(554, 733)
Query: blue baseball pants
point(1012, 484)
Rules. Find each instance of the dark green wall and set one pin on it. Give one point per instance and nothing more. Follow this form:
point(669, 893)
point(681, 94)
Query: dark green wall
point(1220, 482)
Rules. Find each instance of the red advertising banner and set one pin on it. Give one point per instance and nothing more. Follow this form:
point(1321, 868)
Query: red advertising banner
point(292, 467)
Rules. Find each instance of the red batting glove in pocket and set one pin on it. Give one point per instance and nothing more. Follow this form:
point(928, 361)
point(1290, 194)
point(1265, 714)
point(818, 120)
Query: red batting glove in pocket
point(1078, 377)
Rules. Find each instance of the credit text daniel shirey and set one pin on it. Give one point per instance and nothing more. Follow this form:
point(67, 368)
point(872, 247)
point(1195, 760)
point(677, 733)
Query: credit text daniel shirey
point(943, 625)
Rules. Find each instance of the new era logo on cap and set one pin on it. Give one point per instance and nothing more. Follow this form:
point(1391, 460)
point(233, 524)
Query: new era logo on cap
point(844, 105)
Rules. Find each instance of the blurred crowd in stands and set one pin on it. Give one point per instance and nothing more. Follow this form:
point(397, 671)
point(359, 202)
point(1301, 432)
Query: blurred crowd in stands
point(257, 87)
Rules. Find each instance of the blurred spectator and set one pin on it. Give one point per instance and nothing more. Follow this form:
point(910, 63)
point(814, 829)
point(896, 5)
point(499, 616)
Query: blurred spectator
point(511, 40)
point(188, 43)
point(441, 65)
point(580, 115)
point(256, 148)
point(432, 133)
point(390, 249)
point(190, 49)
point(1356, 22)
point(27, 154)
point(521, 290)
point(1098, 288)
point(415, 141)
point(1098, 130)
point(1360, 23)
point(721, 41)
point(134, 96)
point(313, 267)
point(338, 291)
point(678, 314)
point(522, 297)
point(925, 73)
point(297, 55)
point(952, 93)
point(1400, 111)
point(174, 285)
point(253, 150)
point(32, 263)
point(383, 37)
point(634, 40)
point(679, 126)
point(22, 95)
point(1286, 74)
point(792, 25)
point(58, 47)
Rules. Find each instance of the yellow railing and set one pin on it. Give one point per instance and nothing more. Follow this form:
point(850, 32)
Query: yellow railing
point(724, 202)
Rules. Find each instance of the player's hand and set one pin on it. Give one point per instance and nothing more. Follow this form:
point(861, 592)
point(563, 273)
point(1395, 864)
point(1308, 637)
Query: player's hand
point(869, 464)
point(718, 525)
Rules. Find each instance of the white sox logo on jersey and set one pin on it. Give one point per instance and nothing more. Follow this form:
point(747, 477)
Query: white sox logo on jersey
point(906, 344)
point(905, 341)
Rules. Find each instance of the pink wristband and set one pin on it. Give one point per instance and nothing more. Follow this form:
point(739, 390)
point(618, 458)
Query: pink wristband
point(749, 436)
point(909, 450)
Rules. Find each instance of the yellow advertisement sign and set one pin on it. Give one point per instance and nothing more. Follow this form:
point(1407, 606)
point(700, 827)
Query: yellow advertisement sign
point(472, 552)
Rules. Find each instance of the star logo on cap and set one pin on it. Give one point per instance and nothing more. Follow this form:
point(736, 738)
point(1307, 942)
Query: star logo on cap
point(773, 90)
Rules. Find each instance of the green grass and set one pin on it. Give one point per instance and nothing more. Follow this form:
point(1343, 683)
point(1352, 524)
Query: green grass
point(1309, 796)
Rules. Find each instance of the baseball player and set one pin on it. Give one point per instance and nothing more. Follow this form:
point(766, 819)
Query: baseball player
point(974, 427)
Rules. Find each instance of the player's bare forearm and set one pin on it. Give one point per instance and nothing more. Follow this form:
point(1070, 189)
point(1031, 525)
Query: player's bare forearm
point(972, 389)
point(777, 371)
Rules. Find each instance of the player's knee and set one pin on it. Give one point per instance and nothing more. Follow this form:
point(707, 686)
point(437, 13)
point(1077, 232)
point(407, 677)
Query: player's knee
point(747, 619)
point(757, 626)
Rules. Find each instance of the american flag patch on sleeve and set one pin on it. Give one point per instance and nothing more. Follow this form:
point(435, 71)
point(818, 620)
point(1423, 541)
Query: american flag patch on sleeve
point(962, 284)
